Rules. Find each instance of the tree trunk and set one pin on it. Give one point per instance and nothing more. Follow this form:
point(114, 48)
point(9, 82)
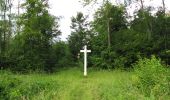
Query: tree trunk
point(142, 7)
point(4, 28)
point(165, 35)
point(108, 25)
point(1, 28)
point(18, 25)
point(9, 23)
point(163, 5)
point(108, 30)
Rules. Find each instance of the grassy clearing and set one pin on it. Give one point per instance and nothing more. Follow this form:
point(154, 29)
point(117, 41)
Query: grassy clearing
point(70, 84)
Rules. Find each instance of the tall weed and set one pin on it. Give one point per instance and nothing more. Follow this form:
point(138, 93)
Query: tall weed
point(152, 78)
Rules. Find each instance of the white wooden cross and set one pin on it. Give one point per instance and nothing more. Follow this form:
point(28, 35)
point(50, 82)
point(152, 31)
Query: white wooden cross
point(85, 59)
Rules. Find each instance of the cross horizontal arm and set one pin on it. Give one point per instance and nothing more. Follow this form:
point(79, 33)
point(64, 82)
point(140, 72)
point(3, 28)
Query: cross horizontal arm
point(88, 50)
point(81, 50)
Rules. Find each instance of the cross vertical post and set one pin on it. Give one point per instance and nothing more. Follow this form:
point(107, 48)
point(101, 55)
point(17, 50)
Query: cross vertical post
point(85, 60)
point(85, 51)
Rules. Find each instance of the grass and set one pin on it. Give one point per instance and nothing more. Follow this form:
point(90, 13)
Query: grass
point(70, 84)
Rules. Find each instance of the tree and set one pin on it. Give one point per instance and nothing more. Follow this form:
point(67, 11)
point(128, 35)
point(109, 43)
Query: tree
point(31, 49)
point(102, 54)
point(109, 19)
point(80, 34)
point(5, 27)
point(143, 22)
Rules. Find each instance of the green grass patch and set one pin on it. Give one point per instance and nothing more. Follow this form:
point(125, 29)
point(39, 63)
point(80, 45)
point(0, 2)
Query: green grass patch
point(70, 84)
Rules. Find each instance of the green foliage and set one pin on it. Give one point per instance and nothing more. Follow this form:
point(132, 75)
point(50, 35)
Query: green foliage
point(68, 84)
point(109, 19)
point(31, 49)
point(147, 34)
point(155, 31)
point(6, 23)
point(112, 15)
point(13, 88)
point(7, 84)
point(61, 55)
point(152, 78)
point(80, 34)
point(115, 40)
point(126, 45)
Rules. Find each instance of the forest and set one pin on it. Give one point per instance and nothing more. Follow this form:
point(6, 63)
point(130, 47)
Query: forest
point(130, 53)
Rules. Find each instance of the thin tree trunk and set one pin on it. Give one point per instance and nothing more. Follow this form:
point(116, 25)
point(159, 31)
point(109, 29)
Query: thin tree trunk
point(4, 28)
point(9, 22)
point(142, 7)
point(18, 25)
point(108, 26)
point(165, 35)
point(108, 30)
point(163, 5)
point(1, 29)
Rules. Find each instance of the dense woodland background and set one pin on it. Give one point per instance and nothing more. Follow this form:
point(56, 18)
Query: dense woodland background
point(29, 41)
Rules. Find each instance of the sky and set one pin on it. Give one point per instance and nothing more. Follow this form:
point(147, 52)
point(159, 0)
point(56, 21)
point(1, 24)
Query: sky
point(68, 8)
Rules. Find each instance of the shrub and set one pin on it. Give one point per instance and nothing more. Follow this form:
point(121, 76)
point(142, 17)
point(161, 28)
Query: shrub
point(104, 61)
point(151, 78)
point(7, 83)
point(13, 88)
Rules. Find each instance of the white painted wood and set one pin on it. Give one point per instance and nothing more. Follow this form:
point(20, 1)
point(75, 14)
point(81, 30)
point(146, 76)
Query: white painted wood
point(85, 51)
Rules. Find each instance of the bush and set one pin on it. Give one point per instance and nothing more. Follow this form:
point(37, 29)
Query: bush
point(13, 88)
point(152, 78)
point(7, 83)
